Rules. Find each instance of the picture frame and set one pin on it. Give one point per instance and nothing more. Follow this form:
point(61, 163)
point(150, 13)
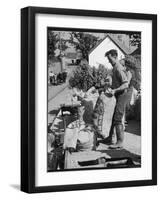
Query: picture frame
point(29, 51)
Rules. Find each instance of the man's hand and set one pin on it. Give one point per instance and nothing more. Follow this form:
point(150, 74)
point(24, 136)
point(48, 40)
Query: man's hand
point(121, 88)
point(109, 92)
point(112, 92)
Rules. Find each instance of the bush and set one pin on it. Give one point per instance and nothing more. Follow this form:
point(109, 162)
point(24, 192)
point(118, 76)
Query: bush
point(84, 77)
point(137, 109)
point(133, 63)
point(134, 112)
point(100, 75)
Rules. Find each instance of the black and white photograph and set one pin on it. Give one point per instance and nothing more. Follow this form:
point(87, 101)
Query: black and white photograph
point(93, 99)
point(89, 99)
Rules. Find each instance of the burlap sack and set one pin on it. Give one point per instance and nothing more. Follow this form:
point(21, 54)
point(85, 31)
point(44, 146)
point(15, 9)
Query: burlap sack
point(103, 113)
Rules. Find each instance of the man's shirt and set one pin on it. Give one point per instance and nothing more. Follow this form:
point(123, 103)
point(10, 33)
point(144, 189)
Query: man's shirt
point(119, 76)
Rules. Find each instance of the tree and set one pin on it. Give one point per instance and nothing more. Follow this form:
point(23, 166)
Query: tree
point(83, 42)
point(56, 42)
point(82, 77)
point(52, 43)
point(85, 76)
point(135, 39)
point(134, 65)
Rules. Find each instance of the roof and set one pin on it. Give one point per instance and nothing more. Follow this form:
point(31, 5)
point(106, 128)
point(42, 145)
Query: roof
point(136, 52)
point(115, 40)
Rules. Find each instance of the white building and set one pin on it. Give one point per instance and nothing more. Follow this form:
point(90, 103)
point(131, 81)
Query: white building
point(120, 42)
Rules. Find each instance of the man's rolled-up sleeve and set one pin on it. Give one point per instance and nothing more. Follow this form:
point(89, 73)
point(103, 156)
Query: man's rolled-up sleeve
point(122, 76)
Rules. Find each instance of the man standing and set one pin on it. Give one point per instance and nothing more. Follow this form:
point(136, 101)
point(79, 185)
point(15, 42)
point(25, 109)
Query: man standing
point(119, 90)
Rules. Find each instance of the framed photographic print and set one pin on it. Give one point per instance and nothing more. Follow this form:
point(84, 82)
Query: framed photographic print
point(88, 99)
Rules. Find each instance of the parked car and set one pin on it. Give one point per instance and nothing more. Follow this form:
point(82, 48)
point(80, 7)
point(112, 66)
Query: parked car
point(59, 78)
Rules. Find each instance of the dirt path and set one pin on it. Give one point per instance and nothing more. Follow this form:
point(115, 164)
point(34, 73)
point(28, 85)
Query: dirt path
point(53, 91)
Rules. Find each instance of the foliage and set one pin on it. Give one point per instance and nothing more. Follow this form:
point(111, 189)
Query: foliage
point(133, 63)
point(100, 75)
point(83, 42)
point(52, 43)
point(134, 112)
point(135, 39)
point(137, 109)
point(84, 77)
point(55, 41)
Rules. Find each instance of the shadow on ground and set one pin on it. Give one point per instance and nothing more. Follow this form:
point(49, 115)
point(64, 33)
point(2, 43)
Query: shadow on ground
point(122, 153)
point(133, 127)
point(54, 112)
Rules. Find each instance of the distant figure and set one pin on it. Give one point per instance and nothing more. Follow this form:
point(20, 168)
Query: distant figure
point(51, 74)
point(55, 78)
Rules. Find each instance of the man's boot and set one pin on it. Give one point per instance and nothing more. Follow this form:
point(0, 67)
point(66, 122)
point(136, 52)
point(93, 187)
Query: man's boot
point(111, 138)
point(120, 137)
